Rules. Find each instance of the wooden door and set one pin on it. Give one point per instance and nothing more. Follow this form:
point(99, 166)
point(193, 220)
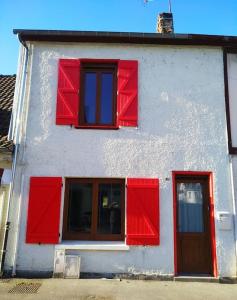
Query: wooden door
point(193, 226)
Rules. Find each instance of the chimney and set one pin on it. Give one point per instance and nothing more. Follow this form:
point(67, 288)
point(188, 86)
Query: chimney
point(165, 23)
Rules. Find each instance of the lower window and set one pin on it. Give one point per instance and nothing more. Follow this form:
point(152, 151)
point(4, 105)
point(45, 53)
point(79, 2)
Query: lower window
point(94, 209)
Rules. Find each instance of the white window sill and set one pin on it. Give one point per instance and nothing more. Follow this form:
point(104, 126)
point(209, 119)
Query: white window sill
point(92, 245)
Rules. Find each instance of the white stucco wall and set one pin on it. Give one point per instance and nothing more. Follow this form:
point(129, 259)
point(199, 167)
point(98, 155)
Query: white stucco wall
point(182, 126)
point(232, 86)
point(232, 89)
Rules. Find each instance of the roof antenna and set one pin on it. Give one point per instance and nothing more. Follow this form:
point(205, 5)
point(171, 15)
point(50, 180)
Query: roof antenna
point(170, 7)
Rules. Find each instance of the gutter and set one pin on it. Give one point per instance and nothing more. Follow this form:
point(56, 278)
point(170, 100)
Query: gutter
point(125, 37)
point(22, 94)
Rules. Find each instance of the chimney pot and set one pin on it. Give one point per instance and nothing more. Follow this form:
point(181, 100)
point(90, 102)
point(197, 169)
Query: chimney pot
point(165, 23)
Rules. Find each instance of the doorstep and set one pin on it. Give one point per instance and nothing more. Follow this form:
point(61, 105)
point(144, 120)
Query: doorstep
point(197, 279)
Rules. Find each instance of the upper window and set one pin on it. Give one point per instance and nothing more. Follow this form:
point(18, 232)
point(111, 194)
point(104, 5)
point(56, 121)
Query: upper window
point(98, 95)
point(94, 209)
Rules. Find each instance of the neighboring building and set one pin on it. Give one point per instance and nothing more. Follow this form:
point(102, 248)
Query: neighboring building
point(230, 75)
point(7, 86)
point(122, 155)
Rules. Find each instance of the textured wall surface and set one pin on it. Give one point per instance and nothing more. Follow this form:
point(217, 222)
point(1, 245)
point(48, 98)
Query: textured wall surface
point(182, 126)
point(232, 86)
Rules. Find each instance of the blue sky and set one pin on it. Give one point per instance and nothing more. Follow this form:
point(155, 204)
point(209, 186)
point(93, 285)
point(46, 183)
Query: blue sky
point(190, 16)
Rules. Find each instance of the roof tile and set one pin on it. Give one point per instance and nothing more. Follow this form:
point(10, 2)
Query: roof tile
point(7, 87)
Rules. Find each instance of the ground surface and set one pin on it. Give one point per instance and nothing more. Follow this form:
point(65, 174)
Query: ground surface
point(100, 289)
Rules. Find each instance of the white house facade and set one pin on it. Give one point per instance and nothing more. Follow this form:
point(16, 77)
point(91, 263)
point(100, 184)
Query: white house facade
point(7, 86)
point(122, 156)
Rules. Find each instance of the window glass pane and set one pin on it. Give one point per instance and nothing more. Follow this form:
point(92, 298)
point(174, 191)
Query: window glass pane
point(190, 201)
point(90, 98)
point(80, 207)
point(106, 110)
point(109, 209)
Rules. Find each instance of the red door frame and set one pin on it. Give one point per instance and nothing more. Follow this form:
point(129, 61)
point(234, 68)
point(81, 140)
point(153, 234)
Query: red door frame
point(211, 212)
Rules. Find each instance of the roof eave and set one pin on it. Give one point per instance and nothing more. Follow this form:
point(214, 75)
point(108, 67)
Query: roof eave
point(125, 37)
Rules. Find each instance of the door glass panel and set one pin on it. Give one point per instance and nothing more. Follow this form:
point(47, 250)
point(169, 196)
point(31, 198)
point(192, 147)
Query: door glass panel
point(109, 209)
point(90, 98)
point(80, 207)
point(106, 98)
point(190, 207)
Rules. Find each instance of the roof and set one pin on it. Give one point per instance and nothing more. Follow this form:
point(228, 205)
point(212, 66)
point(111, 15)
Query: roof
point(124, 37)
point(7, 87)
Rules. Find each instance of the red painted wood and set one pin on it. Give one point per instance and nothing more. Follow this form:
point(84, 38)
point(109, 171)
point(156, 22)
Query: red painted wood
point(68, 92)
point(127, 93)
point(212, 226)
point(212, 218)
point(142, 211)
point(44, 210)
point(174, 223)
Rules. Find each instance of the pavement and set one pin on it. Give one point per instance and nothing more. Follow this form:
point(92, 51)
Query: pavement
point(105, 289)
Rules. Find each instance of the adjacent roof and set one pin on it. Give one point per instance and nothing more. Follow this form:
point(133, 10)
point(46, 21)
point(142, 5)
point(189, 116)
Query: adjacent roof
point(7, 86)
point(124, 37)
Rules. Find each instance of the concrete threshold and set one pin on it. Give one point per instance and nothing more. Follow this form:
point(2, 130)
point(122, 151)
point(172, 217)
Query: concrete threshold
point(196, 279)
point(226, 280)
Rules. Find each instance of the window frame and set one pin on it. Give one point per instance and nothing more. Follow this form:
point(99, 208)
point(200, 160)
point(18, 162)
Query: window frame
point(226, 51)
point(98, 68)
point(1, 173)
point(93, 236)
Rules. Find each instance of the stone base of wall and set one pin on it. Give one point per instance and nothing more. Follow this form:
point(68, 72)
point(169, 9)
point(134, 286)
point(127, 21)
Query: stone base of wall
point(121, 276)
point(28, 274)
point(129, 276)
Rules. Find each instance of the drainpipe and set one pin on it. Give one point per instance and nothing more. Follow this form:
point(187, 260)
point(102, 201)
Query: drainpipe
point(22, 94)
point(17, 92)
point(15, 137)
point(234, 206)
point(18, 229)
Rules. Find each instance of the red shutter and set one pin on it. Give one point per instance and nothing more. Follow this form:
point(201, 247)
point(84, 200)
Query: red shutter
point(44, 210)
point(68, 92)
point(142, 211)
point(127, 93)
